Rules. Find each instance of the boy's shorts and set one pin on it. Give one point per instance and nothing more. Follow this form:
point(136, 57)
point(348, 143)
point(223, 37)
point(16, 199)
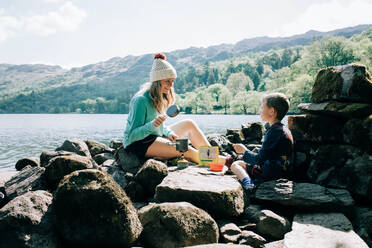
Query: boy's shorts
point(270, 170)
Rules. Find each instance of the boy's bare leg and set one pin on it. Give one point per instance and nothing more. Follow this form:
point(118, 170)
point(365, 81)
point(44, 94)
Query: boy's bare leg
point(239, 169)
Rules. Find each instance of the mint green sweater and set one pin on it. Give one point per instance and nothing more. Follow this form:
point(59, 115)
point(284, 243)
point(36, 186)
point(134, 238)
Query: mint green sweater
point(140, 117)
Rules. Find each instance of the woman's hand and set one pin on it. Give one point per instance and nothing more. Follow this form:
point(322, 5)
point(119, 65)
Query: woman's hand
point(173, 137)
point(158, 120)
point(239, 148)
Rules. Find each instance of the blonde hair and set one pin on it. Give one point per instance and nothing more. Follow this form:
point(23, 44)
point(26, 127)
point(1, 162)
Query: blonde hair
point(159, 100)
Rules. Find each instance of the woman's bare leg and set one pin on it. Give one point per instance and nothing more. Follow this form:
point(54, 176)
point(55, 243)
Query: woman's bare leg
point(161, 148)
point(196, 136)
point(239, 169)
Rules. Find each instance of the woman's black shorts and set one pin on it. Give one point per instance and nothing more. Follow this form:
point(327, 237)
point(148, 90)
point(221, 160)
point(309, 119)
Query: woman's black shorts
point(140, 147)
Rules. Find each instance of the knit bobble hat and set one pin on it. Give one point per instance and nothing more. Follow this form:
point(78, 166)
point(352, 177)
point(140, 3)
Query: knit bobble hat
point(161, 69)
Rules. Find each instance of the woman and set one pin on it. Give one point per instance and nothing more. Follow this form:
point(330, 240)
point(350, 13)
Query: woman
point(145, 134)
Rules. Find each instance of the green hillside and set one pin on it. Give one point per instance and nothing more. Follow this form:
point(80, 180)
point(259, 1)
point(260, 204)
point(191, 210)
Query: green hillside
point(218, 79)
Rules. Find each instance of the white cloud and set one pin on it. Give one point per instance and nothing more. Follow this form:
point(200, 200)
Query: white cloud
point(51, 1)
point(330, 15)
point(67, 18)
point(8, 24)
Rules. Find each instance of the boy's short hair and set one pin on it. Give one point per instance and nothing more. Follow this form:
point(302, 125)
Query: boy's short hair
point(279, 102)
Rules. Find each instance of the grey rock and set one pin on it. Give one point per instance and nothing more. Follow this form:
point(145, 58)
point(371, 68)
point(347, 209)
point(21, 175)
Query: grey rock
point(360, 176)
point(275, 244)
point(363, 224)
point(128, 161)
point(338, 109)
point(151, 175)
point(135, 191)
point(350, 82)
point(77, 146)
point(96, 147)
point(61, 166)
point(102, 157)
point(252, 239)
point(322, 230)
point(311, 127)
point(26, 221)
point(304, 196)
point(328, 165)
point(115, 144)
point(221, 141)
point(28, 179)
point(234, 135)
point(33, 161)
point(229, 232)
point(219, 195)
point(253, 131)
point(106, 216)
point(359, 133)
point(215, 245)
point(272, 225)
point(46, 156)
point(118, 175)
point(177, 224)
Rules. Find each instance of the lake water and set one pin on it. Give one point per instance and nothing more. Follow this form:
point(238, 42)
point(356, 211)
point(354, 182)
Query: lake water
point(27, 135)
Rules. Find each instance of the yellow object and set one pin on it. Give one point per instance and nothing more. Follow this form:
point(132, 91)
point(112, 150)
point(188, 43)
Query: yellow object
point(207, 155)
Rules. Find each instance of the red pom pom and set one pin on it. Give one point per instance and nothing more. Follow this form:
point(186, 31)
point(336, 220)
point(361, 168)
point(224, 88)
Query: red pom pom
point(160, 56)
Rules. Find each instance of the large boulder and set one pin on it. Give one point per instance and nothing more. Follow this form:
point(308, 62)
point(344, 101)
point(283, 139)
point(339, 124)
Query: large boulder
point(46, 156)
point(359, 133)
point(115, 144)
point(177, 225)
point(338, 109)
point(61, 166)
point(128, 161)
point(215, 245)
point(322, 230)
point(350, 82)
point(92, 210)
point(304, 196)
point(363, 224)
point(251, 238)
point(150, 175)
point(360, 176)
point(26, 221)
point(253, 132)
point(230, 232)
point(102, 157)
point(117, 174)
point(312, 128)
point(272, 225)
point(216, 194)
point(328, 165)
point(234, 135)
point(22, 163)
point(28, 179)
point(96, 147)
point(224, 145)
point(77, 146)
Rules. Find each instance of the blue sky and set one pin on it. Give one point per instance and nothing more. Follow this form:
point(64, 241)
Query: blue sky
point(80, 32)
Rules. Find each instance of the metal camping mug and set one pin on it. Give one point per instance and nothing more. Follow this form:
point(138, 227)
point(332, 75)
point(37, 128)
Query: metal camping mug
point(173, 111)
point(182, 145)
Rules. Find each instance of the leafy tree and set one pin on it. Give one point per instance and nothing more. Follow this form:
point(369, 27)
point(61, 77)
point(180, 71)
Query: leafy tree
point(238, 82)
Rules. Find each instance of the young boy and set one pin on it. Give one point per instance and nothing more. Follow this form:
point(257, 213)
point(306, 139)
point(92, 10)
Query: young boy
point(275, 156)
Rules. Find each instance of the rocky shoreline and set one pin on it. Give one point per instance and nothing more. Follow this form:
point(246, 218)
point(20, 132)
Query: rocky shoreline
point(87, 194)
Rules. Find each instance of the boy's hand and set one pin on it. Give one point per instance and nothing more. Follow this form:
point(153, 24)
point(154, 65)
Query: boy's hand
point(158, 120)
point(239, 148)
